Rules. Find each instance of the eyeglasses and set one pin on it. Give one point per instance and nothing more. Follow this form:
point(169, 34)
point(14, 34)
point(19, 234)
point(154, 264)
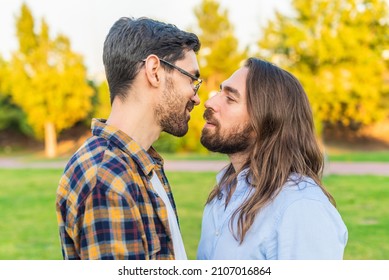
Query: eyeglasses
point(196, 81)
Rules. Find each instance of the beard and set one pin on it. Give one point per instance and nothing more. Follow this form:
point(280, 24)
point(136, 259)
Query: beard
point(234, 140)
point(172, 114)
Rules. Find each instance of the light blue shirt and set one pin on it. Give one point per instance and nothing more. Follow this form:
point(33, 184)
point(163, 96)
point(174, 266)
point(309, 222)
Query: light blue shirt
point(300, 223)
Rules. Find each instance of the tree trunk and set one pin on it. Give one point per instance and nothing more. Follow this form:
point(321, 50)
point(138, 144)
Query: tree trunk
point(50, 140)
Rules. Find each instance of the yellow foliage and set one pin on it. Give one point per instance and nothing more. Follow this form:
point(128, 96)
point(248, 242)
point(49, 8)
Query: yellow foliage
point(219, 57)
point(103, 105)
point(336, 49)
point(48, 80)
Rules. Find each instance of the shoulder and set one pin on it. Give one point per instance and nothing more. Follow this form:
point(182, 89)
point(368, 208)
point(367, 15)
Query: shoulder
point(301, 188)
point(299, 194)
point(304, 201)
point(97, 164)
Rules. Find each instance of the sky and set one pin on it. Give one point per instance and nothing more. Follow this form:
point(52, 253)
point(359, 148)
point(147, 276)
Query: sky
point(87, 22)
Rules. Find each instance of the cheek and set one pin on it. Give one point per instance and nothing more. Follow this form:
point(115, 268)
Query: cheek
point(176, 99)
point(242, 115)
point(185, 89)
point(238, 115)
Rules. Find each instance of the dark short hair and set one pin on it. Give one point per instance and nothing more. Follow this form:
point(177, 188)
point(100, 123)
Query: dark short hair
point(130, 40)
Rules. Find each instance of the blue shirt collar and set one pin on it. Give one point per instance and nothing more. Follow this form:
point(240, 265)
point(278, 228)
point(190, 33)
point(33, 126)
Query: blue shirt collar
point(241, 186)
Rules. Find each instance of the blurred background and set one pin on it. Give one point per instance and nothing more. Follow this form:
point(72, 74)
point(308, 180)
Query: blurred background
point(52, 83)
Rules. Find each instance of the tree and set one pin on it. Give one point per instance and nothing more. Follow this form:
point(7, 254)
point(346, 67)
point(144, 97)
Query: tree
point(48, 81)
point(102, 104)
point(11, 116)
point(3, 73)
point(336, 50)
point(219, 57)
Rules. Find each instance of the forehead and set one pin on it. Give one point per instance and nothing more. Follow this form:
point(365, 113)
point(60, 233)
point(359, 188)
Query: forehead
point(189, 59)
point(238, 81)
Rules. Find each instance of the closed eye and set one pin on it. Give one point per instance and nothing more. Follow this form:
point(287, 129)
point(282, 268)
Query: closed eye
point(230, 99)
point(230, 91)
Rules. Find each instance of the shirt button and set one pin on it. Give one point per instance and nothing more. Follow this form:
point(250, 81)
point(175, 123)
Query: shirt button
point(217, 233)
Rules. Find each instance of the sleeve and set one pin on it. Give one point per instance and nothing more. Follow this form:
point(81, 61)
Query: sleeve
point(111, 227)
point(311, 229)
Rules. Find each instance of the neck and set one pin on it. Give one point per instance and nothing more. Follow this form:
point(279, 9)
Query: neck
point(238, 160)
point(134, 118)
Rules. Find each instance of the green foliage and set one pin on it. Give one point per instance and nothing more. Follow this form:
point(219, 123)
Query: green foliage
point(336, 50)
point(11, 116)
point(48, 80)
point(167, 143)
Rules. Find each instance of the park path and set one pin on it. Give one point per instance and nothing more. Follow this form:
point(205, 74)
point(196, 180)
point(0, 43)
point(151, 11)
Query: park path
point(342, 168)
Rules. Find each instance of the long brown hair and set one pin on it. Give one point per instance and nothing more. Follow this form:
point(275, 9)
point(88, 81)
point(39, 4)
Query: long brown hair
point(285, 142)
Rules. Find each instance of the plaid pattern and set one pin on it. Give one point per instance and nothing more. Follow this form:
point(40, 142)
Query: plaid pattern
point(106, 206)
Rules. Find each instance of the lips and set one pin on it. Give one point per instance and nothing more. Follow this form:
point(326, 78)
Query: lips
point(211, 122)
point(208, 117)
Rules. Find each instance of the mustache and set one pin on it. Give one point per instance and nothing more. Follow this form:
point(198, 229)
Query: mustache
point(190, 106)
point(208, 116)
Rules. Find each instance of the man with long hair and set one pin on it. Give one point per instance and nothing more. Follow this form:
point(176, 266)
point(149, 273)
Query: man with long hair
point(269, 202)
point(114, 200)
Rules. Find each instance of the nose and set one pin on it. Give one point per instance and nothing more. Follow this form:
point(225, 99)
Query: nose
point(196, 99)
point(207, 103)
point(210, 103)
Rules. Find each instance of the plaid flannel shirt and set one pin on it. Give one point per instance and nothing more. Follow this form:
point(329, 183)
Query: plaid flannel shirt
point(106, 206)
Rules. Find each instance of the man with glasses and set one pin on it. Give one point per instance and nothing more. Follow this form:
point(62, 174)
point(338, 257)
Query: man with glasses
point(114, 200)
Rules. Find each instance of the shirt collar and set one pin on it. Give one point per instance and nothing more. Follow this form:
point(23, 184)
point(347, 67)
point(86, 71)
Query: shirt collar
point(241, 176)
point(241, 186)
point(146, 160)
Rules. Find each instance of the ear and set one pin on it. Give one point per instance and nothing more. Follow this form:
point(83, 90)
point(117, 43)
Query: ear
point(153, 70)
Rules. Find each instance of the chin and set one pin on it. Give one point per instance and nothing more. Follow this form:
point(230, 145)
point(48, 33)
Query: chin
point(178, 132)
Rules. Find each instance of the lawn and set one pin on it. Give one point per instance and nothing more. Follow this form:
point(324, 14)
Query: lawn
point(359, 156)
point(334, 155)
point(363, 203)
point(28, 228)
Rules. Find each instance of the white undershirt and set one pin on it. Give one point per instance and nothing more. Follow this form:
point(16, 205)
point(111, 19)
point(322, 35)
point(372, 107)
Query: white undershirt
point(178, 244)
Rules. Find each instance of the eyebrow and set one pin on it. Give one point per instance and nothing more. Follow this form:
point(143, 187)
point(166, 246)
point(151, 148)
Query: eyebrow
point(232, 90)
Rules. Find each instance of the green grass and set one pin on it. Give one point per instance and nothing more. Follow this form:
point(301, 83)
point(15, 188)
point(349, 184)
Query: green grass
point(190, 192)
point(359, 156)
point(28, 228)
point(363, 203)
